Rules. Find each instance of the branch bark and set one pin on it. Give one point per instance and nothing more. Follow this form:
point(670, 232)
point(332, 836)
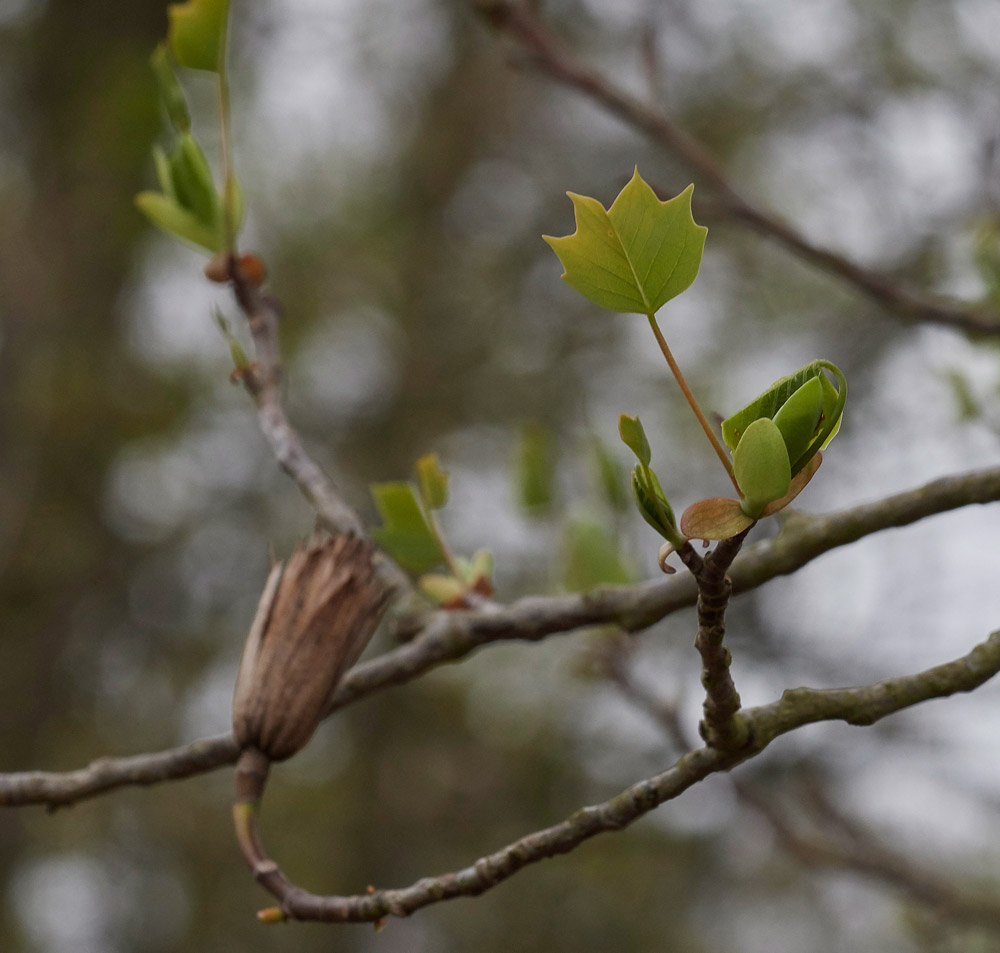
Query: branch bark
point(796, 708)
point(443, 637)
point(722, 726)
point(58, 789)
point(263, 380)
point(836, 841)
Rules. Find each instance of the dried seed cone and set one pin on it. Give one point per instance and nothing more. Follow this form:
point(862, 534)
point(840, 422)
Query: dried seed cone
point(314, 619)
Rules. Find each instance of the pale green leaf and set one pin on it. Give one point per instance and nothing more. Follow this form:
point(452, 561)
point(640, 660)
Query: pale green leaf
point(164, 173)
point(406, 533)
point(633, 435)
point(799, 417)
point(773, 399)
point(652, 503)
point(193, 184)
point(167, 215)
point(481, 566)
point(635, 256)
point(171, 94)
point(446, 590)
point(197, 33)
point(433, 481)
point(717, 517)
point(760, 465)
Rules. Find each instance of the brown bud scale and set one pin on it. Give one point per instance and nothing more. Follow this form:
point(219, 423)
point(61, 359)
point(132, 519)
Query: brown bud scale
point(315, 617)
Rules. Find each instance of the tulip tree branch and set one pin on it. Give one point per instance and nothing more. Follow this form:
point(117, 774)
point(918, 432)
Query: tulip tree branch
point(263, 380)
point(447, 636)
point(442, 637)
point(797, 707)
point(722, 727)
point(853, 849)
point(519, 20)
point(56, 789)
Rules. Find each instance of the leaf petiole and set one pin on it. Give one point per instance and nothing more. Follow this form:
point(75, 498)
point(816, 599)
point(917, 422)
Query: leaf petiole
point(690, 398)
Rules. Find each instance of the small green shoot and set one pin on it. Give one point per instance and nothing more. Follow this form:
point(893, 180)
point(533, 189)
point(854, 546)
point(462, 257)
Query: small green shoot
point(188, 205)
point(411, 535)
point(634, 257)
point(407, 533)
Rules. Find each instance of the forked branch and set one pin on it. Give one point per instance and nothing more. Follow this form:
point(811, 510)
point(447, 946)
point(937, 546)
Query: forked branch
point(796, 708)
point(442, 637)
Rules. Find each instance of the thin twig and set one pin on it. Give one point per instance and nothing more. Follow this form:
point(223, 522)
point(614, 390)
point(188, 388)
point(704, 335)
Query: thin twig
point(518, 20)
point(855, 849)
point(264, 381)
point(864, 705)
point(442, 637)
point(58, 789)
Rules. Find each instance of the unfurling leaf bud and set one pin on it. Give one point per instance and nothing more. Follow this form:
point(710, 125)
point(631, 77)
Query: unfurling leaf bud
point(652, 504)
point(314, 619)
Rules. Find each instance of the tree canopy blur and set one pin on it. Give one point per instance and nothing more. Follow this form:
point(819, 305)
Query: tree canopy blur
point(400, 162)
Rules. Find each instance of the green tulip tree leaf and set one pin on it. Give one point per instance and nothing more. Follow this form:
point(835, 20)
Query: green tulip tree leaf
point(634, 437)
point(433, 481)
point(799, 417)
point(168, 216)
point(652, 504)
point(634, 256)
point(171, 94)
point(721, 517)
point(197, 33)
point(406, 534)
point(479, 567)
point(771, 403)
point(446, 590)
point(760, 464)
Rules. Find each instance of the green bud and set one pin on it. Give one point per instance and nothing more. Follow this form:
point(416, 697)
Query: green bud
point(798, 419)
point(634, 437)
point(761, 468)
point(193, 182)
point(652, 503)
point(171, 94)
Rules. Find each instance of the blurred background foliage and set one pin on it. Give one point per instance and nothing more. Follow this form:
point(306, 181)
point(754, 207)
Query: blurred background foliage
point(400, 163)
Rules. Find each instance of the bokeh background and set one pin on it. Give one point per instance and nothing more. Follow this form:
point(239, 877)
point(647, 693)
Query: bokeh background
point(400, 163)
